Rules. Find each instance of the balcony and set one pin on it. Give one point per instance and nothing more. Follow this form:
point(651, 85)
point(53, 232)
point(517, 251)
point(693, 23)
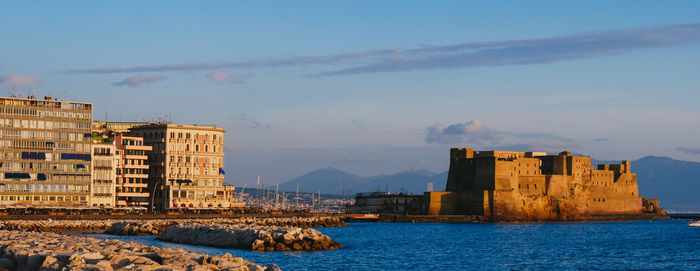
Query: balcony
point(132, 194)
point(136, 157)
point(136, 166)
point(133, 185)
point(134, 175)
point(135, 147)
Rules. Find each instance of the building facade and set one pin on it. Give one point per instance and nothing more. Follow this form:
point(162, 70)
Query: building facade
point(187, 166)
point(104, 170)
point(45, 152)
point(132, 171)
point(534, 186)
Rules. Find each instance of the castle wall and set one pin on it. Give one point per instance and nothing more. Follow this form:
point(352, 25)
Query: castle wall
point(522, 186)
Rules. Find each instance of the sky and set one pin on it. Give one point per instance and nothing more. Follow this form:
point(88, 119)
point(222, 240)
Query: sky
point(373, 87)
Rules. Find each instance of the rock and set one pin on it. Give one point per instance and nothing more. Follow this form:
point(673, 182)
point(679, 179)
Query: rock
point(49, 262)
point(76, 259)
point(49, 251)
point(272, 267)
point(92, 257)
point(249, 236)
point(258, 245)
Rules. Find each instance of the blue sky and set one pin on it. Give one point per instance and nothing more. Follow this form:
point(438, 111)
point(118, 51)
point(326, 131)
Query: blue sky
point(374, 87)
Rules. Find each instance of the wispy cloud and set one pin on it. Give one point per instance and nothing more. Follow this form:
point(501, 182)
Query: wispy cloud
point(475, 133)
point(243, 118)
point(139, 80)
point(261, 63)
point(221, 77)
point(470, 54)
point(689, 150)
point(531, 51)
point(16, 81)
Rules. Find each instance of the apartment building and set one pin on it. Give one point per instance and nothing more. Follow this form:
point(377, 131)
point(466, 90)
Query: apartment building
point(132, 171)
point(187, 166)
point(45, 152)
point(104, 169)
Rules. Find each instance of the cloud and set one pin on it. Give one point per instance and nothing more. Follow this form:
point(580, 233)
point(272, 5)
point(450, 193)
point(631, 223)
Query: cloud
point(475, 134)
point(601, 139)
point(261, 63)
point(471, 132)
point(221, 77)
point(139, 80)
point(469, 54)
point(243, 117)
point(689, 150)
point(531, 51)
point(16, 81)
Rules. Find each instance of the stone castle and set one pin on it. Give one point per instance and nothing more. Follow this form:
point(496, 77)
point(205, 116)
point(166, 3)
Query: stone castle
point(504, 185)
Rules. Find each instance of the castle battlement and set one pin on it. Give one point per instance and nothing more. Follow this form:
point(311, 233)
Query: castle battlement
point(535, 185)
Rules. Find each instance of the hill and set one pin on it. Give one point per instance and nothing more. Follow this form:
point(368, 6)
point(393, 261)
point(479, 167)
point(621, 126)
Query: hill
point(676, 183)
point(327, 180)
point(334, 181)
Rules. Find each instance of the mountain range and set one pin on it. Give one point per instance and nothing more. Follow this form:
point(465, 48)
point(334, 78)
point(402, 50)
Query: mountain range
point(676, 183)
point(335, 181)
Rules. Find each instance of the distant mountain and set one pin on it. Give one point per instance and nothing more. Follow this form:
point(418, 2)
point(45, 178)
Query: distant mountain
point(676, 183)
point(334, 181)
point(327, 180)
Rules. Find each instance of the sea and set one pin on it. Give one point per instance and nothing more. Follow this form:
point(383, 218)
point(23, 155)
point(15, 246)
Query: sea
point(633, 245)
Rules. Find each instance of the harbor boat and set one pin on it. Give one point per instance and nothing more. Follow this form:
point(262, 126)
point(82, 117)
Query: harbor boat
point(695, 223)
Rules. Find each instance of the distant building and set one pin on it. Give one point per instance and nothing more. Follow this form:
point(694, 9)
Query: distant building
point(104, 169)
point(115, 127)
point(382, 202)
point(534, 186)
point(187, 166)
point(132, 189)
point(45, 152)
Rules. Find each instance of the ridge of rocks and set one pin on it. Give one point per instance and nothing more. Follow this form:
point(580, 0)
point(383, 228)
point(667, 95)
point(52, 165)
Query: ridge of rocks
point(22, 250)
point(248, 236)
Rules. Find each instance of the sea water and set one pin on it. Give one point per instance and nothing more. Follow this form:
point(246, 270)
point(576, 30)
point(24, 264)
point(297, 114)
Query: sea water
point(637, 245)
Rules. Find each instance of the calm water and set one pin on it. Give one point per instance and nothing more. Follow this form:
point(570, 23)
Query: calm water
point(640, 245)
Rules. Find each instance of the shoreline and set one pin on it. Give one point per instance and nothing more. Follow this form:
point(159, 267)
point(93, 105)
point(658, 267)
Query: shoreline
point(392, 218)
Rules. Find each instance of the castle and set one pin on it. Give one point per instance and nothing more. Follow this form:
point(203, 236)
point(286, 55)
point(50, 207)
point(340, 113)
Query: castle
point(504, 185)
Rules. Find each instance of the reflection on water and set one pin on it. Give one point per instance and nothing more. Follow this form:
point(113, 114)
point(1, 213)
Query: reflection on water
point(655, 245)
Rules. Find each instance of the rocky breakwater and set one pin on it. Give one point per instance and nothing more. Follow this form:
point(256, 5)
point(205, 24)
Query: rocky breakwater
point(21, 250)
point(255, 237)
point(303, 222)
point(56, 225)
point(145, 227)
